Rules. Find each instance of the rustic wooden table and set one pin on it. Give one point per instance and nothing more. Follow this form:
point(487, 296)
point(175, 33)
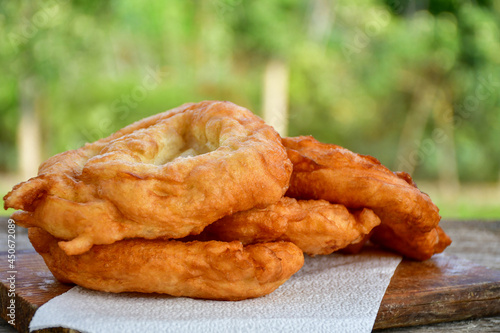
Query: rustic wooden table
point(477, 241)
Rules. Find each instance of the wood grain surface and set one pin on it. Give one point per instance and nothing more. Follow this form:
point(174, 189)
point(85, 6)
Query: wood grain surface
point(444, 288)
point(441, 289)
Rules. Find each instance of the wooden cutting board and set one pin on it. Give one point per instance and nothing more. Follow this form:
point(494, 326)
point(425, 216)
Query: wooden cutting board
point(441, 289)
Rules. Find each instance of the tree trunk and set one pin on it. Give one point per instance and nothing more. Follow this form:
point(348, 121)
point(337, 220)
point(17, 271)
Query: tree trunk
point(409, 154)
point(449, 184)
point(28, 133)
point(275, 95)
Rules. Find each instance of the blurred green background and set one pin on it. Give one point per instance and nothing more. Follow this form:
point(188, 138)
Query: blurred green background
point(414, 83)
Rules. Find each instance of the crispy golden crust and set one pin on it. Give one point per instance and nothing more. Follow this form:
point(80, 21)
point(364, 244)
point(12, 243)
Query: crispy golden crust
point(168, 175)
point(330, 172)
point(418, 245)
point(315, 226)
point(210, 270)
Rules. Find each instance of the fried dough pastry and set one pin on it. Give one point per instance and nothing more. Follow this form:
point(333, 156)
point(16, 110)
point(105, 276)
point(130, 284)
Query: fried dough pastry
point(210, 270)
point(315, 226)
point(332, 173)
point(418, 245)
point(169, 175)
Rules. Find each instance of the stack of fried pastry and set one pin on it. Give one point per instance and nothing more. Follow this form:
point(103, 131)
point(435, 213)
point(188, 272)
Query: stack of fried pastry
point(207, 201)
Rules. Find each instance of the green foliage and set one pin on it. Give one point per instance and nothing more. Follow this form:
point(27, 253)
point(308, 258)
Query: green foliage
point(357, 68)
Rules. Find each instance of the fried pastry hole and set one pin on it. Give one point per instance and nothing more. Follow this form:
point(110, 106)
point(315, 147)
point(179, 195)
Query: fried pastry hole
point(179, 143)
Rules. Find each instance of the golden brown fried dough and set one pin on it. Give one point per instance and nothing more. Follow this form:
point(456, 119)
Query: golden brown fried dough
point(169, 175)
point(418, 245)
point(210, 270)
point(315, 226)
point(330, 172)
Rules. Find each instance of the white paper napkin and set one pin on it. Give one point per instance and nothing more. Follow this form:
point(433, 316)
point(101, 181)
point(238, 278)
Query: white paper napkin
point(335, 293)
